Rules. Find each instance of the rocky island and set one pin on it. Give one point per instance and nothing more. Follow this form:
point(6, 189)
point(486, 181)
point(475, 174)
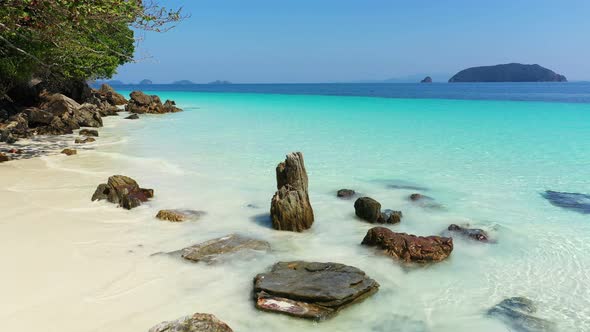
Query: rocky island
point(511, 72)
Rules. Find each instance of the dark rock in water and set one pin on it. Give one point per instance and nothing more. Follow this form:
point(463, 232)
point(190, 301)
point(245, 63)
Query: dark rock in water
point(472, 233)
point(406, 186)
point(511, 72)
point(195, 323)
point(4, 158)
point(212, 250)
point(179, 215)
point(407, 247)
point(416, 197)
point(571, 201)
point(88, 132)
point(132, 117)
point(369, 209)
point(111, 95)
point(290, 208)
point(516, 312)
point(311, 290)
point(124, 191)
point(69, 152)
point(345, 193)
point(141, 103)
point(427, 79)
point(84, 140)
point(109, 111)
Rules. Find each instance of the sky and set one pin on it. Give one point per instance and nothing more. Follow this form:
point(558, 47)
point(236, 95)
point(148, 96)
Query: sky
point(309, 41)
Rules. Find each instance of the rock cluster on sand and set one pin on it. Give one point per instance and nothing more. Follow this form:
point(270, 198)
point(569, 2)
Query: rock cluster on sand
point(195, 323)
point(516, 312)
point(124, 191)
point(213, 250)
point(471, 233)
point(407, 247)
point(369, 210)
point(311, 290)
point(69, 152)
point(179, 215)
point(290, 207)
point(142, 103)
point(108, 93)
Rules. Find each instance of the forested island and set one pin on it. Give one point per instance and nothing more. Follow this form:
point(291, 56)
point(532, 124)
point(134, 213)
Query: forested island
point(511, 72)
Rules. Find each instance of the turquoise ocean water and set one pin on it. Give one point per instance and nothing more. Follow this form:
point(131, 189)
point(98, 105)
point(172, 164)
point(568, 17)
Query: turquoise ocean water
point(486, 162)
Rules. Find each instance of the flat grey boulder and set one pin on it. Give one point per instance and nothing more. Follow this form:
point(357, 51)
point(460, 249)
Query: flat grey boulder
point(179, 215)
point(213, 250)
point(516, 312)
point(311, 290)
point(195, 323)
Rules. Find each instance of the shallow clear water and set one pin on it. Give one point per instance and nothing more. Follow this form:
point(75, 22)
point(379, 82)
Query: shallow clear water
point(485, 162)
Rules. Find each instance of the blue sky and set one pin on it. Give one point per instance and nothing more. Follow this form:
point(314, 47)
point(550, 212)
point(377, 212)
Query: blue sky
point(265, 41)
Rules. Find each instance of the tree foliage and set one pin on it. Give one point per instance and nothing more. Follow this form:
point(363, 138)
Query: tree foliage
point(73, 39)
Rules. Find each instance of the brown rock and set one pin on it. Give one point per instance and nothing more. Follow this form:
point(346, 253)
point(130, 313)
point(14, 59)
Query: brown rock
point(111, 95)
point(471, 233)
point(407, 247)
point(4, 158)
point(290, 206)
point(213, 250)
point(195, 323)
point(124, 191)
point(84, 140)
point(345, 193)
point(369, 210)
point(88, 132)
point(69, 152)
point(179, 215)
point(141, 103)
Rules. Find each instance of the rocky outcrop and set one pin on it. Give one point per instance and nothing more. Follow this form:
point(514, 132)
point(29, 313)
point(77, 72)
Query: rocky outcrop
point(570, 201)
point(4, 158)
point(111, 95)
point(407, 247)
point(511, 72)
point(214, 250)
point(37, 117)
point(179, 215)
point(124, 191)
point(109, 111)
point(471, 233)
point(17, 126)
point(345, 193)
point(195, 323)
point(290, 206)
point(69, 152)
point(427, 79)
point(369, 210)
point(88, 132)
point(141, 103)
point(516, 313)
point(311, 290)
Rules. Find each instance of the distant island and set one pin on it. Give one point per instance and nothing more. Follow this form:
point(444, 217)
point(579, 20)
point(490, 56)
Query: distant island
point(146, 82)
point(427, 79)
point(511, 72)
point(183, 82)
point(220, 82)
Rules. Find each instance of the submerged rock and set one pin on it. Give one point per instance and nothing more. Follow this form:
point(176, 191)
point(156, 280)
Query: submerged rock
point(407, 247)
point(311, 290)
point(124, 191)
point(179, 215)
point(290, 206)
point(141, 103)
point(345, 193)
point(88, 132)
point(570, 201)
point(4, 158)
point(69, 152)
point(195, 323)
point(369, 210)
point(84, 140)
point(516, 312)
point(212, 250)
point(471, 233)
point(132, 117)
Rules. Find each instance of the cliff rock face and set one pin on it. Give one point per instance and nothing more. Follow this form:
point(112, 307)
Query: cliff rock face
point(290, 207)
point(512, 72)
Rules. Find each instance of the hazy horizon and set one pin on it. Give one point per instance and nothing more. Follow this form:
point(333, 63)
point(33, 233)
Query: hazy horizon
point(262, 41)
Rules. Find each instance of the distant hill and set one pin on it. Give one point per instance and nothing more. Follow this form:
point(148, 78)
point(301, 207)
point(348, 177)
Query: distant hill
point(220, 82)
point(511, 72)
point(146, 82)
point(183, 82)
